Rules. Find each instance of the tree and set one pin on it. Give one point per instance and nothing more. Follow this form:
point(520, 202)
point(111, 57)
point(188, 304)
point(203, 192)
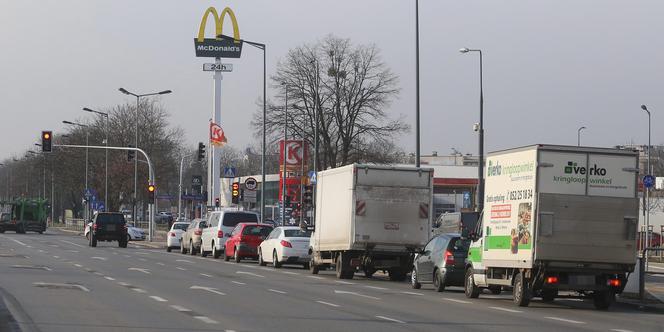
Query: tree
point(348, 87)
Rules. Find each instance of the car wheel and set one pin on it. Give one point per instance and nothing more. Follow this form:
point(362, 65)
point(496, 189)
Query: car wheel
point(215, 252)
point(183, 250)
point(275, 261)
point(313, 268)
point(226, 257)
point(192, 251)
point(261, 262)
point(471, 290)
point(438, 281)
point(521, 293)
point(413, 280)
point(236, 256)
point(168, 249)
point(122, 244)
point(202, 250)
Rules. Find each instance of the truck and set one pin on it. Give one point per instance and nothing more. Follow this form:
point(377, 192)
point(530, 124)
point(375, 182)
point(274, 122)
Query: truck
point(370, 218)
point(25, 214)
point(556, 218)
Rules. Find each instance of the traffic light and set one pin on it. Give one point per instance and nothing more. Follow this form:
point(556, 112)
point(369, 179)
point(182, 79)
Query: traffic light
point(151, 193)
point(201, 151)
point(46, 138)
point(216, 202)
point(131, 154)
point(235, 192)
point(308, 195)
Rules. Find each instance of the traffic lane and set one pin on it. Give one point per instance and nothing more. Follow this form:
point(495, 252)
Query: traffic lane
point(59, 296)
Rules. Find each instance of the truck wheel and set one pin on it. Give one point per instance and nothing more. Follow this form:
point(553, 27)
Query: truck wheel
point(397, 274)
point(548, 295)
point(521, 292)
point(413, 280)
point(471, 290)
point(438, 281)
point(342, 269)
point(603, 299)
point(313, 268)
point(496, 290)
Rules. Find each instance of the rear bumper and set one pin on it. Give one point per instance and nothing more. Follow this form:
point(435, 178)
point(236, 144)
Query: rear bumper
point(245, 250)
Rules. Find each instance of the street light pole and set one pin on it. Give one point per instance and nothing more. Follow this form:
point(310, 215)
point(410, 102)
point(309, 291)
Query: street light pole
point(283, 177)
point(643, 107)
point(578, 136)
point(417, 83)
point(480, 168)
point(105, 115)
point(87, 143)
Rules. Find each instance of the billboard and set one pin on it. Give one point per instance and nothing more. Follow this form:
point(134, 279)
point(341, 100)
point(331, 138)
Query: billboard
point(296, 158)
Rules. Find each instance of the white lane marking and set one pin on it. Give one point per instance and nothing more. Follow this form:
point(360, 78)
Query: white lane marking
point(158, 299)
point(328, 303)
point(41, 251)
point(109, 278)
point(143, 252)
point(32, 267)
point(56, 257)
point(115, 253)
point(29, 246)
point(206, 320)
point(184, 260)
point(455, 300)
point(565, 320)
point(391, 319)
point(413, 293)
point(316, 277)
point(161, 264)
point(123, 284)
point(142, 259)
point(99, 258)
point(72, 251)
point(251, 274)
point(356, 294)
point(209, 289)
point(70, 286)
point(180, 268)
point(99, 274)
point(17, 241)
point(237, 282)
point(620, 330)
point(276, 291)
point(374, 287)
point(507, 310)
point(288, 272)
point(179, 308)
point(146, 271)
point(78, 265)
point(72, 243)
point(344, 282)
point(206, 275)
point(138, 290)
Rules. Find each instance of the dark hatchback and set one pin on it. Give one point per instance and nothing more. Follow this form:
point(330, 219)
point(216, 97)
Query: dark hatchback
point(441, 263)
point(108, 226)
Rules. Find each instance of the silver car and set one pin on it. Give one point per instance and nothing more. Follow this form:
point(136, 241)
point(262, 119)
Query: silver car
point(191, 239)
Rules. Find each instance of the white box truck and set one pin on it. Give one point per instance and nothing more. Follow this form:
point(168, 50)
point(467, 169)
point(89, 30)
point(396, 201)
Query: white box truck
point(556, 218)
point(371, 217)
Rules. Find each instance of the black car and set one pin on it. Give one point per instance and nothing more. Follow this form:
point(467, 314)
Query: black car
point(441, 263)
point(108, 226)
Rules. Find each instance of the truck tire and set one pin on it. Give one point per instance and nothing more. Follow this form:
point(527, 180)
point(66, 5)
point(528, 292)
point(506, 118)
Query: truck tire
point(414, 282)
point(342, 268)
point(397, 274)
point(603, 299)
point(313, 268)
point(548, 295)
point(521, 293)
point(471, 290)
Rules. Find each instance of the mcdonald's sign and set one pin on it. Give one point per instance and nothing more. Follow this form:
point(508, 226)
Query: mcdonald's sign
point(217, 47)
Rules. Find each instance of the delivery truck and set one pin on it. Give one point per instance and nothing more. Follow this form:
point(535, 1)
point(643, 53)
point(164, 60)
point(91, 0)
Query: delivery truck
point(556, 218)
point(369, 218)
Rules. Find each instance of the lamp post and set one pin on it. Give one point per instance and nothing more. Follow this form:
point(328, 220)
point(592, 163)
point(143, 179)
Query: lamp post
point(138, 103)
point(578, 135)
point(87, 143)
point(105, 115)
point(417, 84)
point(263, 48)
point(283, 177)
point(643, 107)
point(480, 168)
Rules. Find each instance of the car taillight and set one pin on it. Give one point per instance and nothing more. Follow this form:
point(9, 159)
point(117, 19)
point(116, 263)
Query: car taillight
point(286, 244)
point(171, 234)
point(449, 258)
point(125, 227)
point(613, 282)
point(552, 280)
point(94, 226)
point(198, 232)
point(220, 234)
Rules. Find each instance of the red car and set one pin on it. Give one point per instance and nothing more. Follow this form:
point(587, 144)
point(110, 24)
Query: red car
point(244, 241)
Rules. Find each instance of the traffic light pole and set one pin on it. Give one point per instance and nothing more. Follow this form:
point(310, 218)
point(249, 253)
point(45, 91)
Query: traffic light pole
point(151, 176)
point(180, 187)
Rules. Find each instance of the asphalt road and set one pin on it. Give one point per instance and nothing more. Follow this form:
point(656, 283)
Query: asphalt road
point(55, 282)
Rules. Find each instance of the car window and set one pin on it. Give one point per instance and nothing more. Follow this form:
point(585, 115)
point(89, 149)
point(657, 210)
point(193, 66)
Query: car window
point(440, 243)
point(429, 246)
point(256, 230)
point(202, 224)
point(296, 233)
point(274, 234)
point(231, 219)
point(214, 220)
point(180, 226)
point(110, 217)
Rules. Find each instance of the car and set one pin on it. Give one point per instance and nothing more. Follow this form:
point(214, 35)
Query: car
point(244, 241)
point(108, 226)
point(220, 225)
point(285, 245)
point(174, 235)
point(5, 221)
point(134, 233)
point(191, 238)
point(441, 262)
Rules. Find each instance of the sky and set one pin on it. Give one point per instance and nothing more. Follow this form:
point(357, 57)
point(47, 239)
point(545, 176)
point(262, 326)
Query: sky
point(550, 67)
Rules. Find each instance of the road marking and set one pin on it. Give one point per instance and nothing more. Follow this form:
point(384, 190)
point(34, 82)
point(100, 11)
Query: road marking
point(356, 294)
point(209, 289)
point(251, 274)
point(109, 278)
point(276, 291)
point(78, 265)
point(138, 290)
point(505, 309)
point(158, 299)
point(391, 319)
point(123, 284)
point(565, 320)
point(180, 268)
point(374, 287)
point(76, 251)
point(99, 258)
point(34, 267)
point(56, 257)
point(344, 282)
point(56, 285)
point(139, 269)
point(184, 260)
point(316, 277)
point(72, 243)
point(161, 264)
point(41, 251)
point(455, 300)
point(291, 273)
point(206, 320)
point(17, 241)
point(237, 282)
point(206, 275)
point(115, 253)
point(99, 274)
point(413, 293)
point(29, 246)
point(328, 303)
point(619, 330)
point(142, 259)
point(180, 309)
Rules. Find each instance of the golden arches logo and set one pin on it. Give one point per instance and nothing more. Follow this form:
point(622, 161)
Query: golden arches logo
point(218, 47)
point(218, 23)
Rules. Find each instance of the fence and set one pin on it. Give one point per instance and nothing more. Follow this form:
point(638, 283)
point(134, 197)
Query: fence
point(75, 224)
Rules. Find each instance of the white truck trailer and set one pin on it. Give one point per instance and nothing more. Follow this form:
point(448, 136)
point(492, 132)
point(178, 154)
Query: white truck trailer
point(371, 217)
point(556, 218)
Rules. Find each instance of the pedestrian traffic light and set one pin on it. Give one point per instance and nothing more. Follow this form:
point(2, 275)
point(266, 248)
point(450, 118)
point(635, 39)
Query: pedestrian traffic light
point(308, 195)
point(201, 151)
point(151, 193)
point(235, 192)
point(131, 154)
point(46, 138)
point(216, 202)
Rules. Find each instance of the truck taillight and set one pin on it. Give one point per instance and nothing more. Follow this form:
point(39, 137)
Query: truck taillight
point(613, 282)
point(286, 244)
point(552, 280)
point(220, 234)
point(198, 232)
point(449, 258)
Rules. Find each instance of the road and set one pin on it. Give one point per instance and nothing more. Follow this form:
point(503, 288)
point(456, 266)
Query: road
point(55, 282)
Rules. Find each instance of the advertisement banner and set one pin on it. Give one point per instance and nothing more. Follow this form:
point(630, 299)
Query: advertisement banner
point(296, 154)
point(217, 47)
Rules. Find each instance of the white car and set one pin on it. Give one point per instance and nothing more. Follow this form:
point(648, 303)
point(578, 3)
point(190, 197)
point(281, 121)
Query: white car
point(134, 233)
point(285, 245)
point(174, 235)
point(220, 224)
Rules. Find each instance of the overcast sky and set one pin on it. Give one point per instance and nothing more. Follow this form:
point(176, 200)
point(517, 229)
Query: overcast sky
point(549, 66)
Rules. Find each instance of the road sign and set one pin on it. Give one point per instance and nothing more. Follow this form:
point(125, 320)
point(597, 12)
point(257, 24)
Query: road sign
point(101, 207)
point(648, 181)
point(196, 180)
point(222, 67)
point(249, 196)
point(229, 172)
point(251, 184)
point(659, 183)
point(312, 177)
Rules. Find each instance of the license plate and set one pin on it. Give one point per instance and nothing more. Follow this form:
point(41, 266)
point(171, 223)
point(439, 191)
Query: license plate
point(394, 226)
point(581, 280)
point(110, 227)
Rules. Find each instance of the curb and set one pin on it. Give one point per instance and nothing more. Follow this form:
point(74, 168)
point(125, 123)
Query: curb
point(652, 304)
point(154, 245)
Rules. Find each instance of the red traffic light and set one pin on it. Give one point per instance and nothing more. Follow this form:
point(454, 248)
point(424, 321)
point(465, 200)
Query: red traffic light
point(236, 185)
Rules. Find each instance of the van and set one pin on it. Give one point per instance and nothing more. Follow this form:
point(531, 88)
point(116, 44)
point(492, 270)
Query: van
point(219, 227)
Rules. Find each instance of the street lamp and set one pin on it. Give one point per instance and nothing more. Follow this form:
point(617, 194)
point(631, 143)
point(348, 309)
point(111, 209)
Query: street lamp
point(104, 115)
point(643, 107)
point(87, 143)
point(138, 99)
point(417, 83)
point(480, 168)
point(283, 178)
point(578, 135)
point(263, 48)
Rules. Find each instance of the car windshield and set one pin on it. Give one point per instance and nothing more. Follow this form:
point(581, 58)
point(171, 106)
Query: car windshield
point(110, 217)
point(257, 230)
point(296, 233)
point(231, 219)
point(181, 226)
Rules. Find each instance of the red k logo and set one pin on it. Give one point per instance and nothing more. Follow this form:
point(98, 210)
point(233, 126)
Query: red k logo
point(217, 136)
